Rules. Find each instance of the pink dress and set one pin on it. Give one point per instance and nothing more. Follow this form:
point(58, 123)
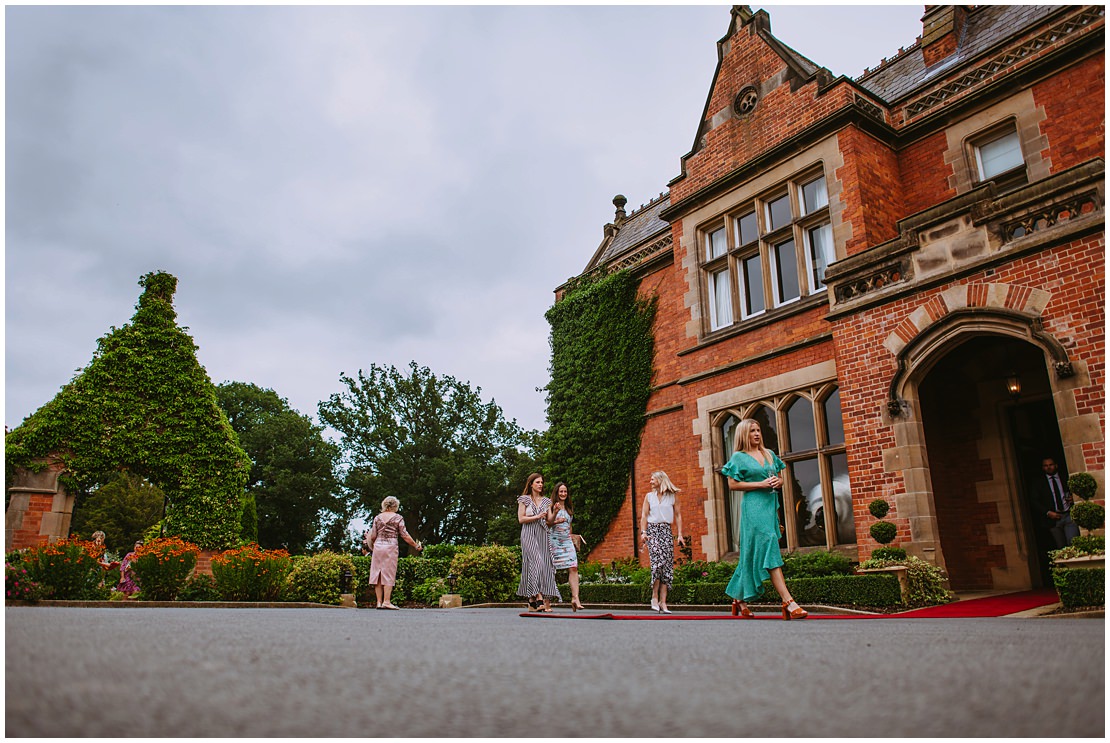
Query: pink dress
point(383, 560)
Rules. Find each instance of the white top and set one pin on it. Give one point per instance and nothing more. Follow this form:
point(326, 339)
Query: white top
point(660, 510)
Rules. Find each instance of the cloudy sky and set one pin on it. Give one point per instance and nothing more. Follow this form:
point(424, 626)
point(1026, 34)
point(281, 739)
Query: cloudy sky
point(336, 187)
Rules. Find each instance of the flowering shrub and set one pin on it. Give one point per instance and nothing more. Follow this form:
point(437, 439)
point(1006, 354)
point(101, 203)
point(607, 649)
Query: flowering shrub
point(316, 578)
point(18, 585)
point(161, 567)
point(926, 581)
point(250, 573)
point(67, 569)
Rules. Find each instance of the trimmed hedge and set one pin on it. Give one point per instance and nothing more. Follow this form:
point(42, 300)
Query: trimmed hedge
point(1080, 587)
point(845, 590)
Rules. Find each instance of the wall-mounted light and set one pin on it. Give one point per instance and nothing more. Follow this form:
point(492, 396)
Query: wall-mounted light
point(1013, 385)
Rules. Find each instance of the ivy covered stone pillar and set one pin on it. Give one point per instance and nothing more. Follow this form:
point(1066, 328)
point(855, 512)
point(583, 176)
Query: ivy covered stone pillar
point(39, 508)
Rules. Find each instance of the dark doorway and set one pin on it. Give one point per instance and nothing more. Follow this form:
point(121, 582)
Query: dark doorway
point(1035, 435)
point(983, 444)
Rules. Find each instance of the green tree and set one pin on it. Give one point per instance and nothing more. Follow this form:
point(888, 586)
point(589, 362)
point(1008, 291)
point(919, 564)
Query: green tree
point(292, 480)
point(429, 441)
point(145, 404)
point(123, 508)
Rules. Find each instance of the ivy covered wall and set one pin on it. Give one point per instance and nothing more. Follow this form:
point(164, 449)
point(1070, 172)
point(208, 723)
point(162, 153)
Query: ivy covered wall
point(144, 404)
point(602, 349)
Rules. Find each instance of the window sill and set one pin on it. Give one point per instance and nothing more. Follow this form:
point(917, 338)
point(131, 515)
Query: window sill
point(768, 317)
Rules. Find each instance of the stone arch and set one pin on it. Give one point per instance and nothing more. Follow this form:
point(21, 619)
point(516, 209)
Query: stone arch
point(937, 328)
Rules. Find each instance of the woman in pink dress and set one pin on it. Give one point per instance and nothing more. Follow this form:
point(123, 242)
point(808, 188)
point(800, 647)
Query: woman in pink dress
point(382, 542)
point(127, 582)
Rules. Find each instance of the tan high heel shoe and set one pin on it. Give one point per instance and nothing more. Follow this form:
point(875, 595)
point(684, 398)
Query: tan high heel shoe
point(575, 605)
point(739, 609)
point(798, 613)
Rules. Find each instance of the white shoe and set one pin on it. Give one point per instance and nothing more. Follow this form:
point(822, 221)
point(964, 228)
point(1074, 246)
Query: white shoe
point(665, 611)
point(654, 605)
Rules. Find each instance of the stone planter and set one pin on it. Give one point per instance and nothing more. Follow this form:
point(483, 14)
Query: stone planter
point(898, 571)
point(1085, 562)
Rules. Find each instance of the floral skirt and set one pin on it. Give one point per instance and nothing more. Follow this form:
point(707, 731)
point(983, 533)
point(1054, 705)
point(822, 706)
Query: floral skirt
point(660, 542)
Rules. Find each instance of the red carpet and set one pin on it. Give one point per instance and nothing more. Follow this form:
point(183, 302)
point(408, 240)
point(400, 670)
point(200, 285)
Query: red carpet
point(988, 606)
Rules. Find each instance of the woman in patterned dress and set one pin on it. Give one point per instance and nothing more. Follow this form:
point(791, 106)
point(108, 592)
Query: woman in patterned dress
point(563, 554)
point(127, 582)
point(537, 571)
point(659, 511)
point(385, 550)
point(754, 469)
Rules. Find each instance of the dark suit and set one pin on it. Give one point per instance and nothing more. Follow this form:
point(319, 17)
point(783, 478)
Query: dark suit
point(1063, 529)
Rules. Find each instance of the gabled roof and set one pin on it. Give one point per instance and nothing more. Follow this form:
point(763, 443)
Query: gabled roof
point(987, 26)
point(633, 231)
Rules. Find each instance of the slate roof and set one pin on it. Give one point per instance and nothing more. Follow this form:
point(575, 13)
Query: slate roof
point(987, 26)
point(637, 229)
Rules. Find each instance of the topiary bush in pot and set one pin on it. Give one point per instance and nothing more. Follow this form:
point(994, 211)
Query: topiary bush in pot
point(1082, 485)
point(1088, 515)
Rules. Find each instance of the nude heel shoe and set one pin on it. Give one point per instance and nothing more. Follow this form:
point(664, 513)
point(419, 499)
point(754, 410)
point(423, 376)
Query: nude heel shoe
point(798, 613)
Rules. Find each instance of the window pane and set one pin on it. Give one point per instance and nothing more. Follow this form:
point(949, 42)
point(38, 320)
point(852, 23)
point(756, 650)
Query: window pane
point(821, 254)
point(732, 497)
point(752, 290)
point(834, 424)
point(716, 244)
point(814, 195)
point(778, 212)
point(809, 508)
point(720, 300)
point(765, 417)
point(1000, 155)
point(842, 500)
point(786, 272)
point(746, 228)
point(800, 426)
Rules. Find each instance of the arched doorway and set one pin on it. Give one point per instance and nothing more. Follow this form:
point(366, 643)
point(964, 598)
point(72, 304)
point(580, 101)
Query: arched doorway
point(984, 441)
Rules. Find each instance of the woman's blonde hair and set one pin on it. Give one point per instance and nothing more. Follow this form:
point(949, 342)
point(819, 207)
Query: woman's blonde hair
point(665, 484)
point(390, 503)
point(743, 434)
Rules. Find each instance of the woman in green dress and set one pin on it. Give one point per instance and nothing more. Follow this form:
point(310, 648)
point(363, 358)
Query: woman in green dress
point(754, 469)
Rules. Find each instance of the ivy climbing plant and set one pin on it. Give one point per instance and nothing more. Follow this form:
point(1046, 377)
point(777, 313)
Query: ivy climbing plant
point(602, 350)
point(144, 404)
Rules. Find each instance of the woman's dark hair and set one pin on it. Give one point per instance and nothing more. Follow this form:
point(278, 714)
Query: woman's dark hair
point(555, 498)
point(528, 485)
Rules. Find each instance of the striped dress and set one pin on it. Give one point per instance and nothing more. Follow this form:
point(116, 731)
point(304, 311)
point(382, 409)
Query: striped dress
point(537, 571)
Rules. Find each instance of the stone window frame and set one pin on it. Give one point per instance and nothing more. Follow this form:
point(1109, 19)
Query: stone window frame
point(1007, 180)
point(817, 395)
point(797, 230)
point(1020, 110)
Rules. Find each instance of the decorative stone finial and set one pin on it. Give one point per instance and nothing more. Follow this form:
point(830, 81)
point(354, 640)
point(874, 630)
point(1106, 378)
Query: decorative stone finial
point(619, 201)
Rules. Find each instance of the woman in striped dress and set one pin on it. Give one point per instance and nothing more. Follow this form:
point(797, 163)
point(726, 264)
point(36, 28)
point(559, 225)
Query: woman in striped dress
point(537, 570)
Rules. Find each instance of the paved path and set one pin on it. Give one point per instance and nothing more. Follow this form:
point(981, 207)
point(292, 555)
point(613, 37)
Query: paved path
point(488, 672)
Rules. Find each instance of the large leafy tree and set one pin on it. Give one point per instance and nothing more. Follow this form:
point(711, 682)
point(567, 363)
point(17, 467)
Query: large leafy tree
point(431, 442)
point(123, 508)
point(293, 480)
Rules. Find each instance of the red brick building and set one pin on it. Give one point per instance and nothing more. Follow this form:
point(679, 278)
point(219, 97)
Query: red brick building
point(869, 267)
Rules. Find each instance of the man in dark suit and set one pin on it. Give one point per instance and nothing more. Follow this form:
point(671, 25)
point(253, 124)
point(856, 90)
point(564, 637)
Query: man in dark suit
point(1053, 500)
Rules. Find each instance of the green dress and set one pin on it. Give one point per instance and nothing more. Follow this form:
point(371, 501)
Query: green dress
point(759, 526)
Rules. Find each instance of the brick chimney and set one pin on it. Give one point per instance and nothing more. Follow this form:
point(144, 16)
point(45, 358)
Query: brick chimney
point(943, 25)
